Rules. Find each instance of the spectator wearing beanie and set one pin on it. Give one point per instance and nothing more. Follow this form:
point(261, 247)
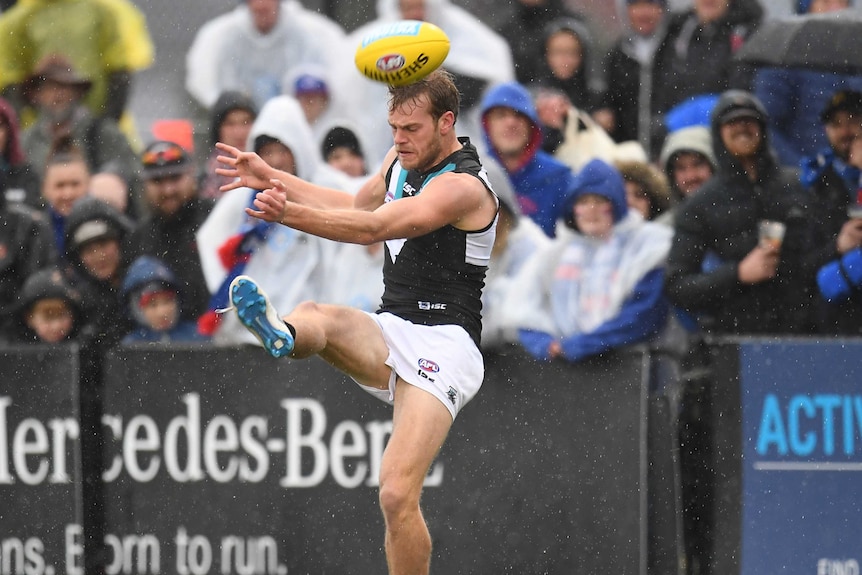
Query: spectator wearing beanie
point(688, 160)
point(342, 151)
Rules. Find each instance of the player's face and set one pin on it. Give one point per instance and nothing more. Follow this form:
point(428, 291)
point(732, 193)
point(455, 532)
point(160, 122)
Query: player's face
point(416, 134)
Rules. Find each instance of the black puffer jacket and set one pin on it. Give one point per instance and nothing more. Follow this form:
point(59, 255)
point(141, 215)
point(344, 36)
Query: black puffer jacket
point(26, 246)
point(173, 241)
point(100, 298)
point(717, 228)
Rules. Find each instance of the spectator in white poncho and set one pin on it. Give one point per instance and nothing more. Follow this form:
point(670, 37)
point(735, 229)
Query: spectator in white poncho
point(231, 243)
point(254, 46)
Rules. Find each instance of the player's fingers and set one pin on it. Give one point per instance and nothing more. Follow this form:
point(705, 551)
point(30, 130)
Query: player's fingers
point(256, 214)
point(227, 148)
point(264, 203)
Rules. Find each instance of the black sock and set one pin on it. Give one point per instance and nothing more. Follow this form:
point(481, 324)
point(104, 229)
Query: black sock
point(292, 330)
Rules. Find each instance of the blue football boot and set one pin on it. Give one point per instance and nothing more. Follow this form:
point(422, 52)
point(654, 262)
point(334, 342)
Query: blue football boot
point(257, 314)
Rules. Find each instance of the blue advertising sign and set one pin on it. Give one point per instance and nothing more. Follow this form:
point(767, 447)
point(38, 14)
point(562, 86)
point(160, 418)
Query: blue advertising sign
point(802, 457)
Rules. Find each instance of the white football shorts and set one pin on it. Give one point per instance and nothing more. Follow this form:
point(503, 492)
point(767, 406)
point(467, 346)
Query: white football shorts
point(441, 359)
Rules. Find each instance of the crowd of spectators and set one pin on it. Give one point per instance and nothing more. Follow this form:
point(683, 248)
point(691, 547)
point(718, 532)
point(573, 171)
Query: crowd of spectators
point(690, 152)
point(545, 109)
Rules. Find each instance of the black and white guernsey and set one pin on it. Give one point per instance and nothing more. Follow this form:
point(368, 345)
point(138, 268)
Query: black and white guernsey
point(437, 278)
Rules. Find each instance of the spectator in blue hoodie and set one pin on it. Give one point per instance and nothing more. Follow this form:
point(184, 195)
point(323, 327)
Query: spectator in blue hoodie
point(152, 296)
point(598, 285)
point(513, 136)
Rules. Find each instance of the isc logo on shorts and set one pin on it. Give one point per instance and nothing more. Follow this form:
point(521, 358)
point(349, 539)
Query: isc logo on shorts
point(428, 365)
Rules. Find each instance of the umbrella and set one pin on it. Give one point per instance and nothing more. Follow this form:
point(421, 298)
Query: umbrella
point(831, 42)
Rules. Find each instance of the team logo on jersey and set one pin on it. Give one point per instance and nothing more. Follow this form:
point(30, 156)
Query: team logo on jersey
point(408, 190)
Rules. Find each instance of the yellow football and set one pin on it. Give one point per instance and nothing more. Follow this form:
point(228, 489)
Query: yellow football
point(398, 53)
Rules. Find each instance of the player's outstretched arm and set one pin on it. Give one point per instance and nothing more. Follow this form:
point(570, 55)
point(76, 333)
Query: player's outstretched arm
point(251, 171)
point(451, 199)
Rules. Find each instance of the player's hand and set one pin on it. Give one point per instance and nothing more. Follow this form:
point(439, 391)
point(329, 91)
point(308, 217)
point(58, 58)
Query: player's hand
point(270, 203)
point(759, 265)
point(246, 168)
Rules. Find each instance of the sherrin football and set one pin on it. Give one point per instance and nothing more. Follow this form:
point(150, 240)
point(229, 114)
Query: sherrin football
point(398, 53)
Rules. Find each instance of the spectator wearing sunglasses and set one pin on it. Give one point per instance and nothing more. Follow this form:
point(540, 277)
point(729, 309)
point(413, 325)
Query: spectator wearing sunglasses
point(176, 213)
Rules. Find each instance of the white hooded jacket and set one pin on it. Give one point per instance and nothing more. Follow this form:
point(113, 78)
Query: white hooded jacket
point(291, 266)
point(230, 53)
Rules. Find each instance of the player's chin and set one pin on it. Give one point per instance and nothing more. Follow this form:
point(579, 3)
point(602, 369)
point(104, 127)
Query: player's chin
point(408, 160)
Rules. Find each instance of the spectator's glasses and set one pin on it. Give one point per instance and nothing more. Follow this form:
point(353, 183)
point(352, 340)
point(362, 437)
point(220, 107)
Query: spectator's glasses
point(168, 155)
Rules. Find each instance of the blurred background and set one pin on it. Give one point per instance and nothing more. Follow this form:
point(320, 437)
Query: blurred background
point(172, 26)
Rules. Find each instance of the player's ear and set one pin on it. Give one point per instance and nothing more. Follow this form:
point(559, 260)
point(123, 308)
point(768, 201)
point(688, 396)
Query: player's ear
point(446, 123)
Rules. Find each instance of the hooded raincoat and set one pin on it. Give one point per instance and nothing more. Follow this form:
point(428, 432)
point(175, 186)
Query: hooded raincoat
point(291, 266)
point(593, 294)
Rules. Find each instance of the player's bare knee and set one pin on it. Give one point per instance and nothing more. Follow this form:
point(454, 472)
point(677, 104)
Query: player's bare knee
point(397, 498)
point(306, 308)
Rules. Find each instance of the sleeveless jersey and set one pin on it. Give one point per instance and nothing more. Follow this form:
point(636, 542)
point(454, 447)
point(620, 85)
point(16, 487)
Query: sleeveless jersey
point(437, 278)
